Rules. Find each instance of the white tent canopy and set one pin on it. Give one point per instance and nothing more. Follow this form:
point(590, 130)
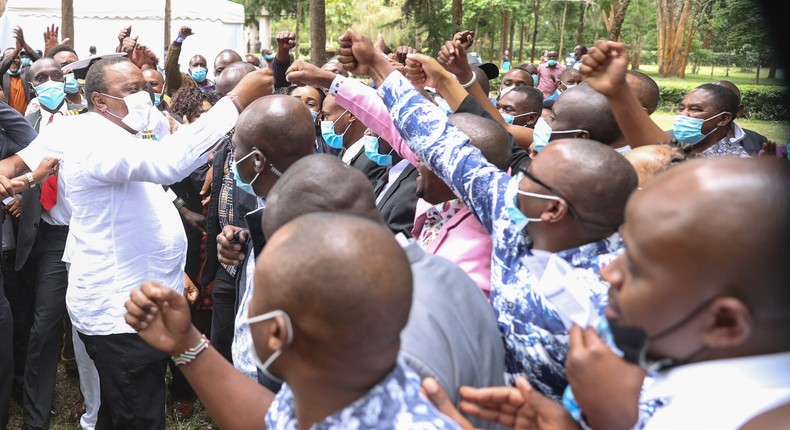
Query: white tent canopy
point(217, 24)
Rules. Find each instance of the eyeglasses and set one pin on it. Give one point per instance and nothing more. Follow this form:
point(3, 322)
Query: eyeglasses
point(554, 191)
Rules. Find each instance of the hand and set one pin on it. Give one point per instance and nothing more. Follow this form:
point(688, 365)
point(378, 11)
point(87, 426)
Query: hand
point(356, 52)
point(228, 252)
point(465, 37)
point(138, 56)
point(20, 37)
point(254, 85)
point(191, 292)
point(51, 38)
point(185, 31)
point(124, 33)
point(193, 219)
point(495, 404)
point(14, 207)
point(769, 148)
point(611, 403)
point(128, 45)
point(172, 121)
point(541, 413)
point(396, 64)
point(161, 317)
point(286, 40)
point(402, 52)
point(423, 71)
point(435, 393)
point(381, 45)
point(47, 167)
point(452, 57)
point(604, 67)
point(302, 72)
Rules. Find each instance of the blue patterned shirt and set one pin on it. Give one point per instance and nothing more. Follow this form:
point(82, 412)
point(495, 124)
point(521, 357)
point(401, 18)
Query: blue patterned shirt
point(536, 338)
point(393, 403)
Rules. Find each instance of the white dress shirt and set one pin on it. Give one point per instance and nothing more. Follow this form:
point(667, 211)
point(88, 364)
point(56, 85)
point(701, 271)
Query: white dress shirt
point(719, 394)
point(124, 230)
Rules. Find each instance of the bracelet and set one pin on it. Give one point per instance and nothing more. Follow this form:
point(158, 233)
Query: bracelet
point(235, 99)
point(180, 39)
point(471, 81)
point(179, 202)
point(31, 181)
point(191, 354)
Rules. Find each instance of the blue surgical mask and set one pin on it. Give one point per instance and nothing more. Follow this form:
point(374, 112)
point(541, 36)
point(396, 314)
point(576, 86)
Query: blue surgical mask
point(199, 74)
point(567, 86)
point(314, 114)
point(541, 135)
point(18, 71)
point(551, 63)
point(50, 94)
point(268, 57)
point(24, 62)
point(511, 202)
point(72, 86)
point(534, 80)
point(372, 151)
point(247, 188)
point(263, 366)
point(158, 97)
point(510, 118)
point(331, 138)
point(689, 130)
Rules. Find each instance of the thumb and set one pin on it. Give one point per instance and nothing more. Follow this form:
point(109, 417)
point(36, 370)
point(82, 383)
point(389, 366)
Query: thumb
point(438, 397)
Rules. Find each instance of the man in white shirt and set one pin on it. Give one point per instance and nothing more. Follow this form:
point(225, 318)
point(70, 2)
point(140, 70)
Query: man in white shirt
point(124, 229)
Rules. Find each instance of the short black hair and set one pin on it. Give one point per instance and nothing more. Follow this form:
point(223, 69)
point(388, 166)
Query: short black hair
point(60, 48)
point(96, 78)
point(724, 98)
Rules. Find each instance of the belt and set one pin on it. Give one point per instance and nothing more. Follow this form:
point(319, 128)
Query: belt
point(58, 228)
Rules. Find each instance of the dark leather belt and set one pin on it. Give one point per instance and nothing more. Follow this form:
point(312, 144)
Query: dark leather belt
point(58, 228)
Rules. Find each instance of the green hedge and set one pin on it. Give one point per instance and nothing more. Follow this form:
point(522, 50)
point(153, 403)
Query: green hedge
point(761, 102)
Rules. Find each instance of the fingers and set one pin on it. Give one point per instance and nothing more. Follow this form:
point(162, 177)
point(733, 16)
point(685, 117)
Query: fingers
point(438, 397)
point(229, 252)
point(6, 187)
point(576, 337)
point(142, 308)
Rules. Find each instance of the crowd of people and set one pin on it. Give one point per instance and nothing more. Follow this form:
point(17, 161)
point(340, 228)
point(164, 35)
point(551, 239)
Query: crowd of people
point(383, 241)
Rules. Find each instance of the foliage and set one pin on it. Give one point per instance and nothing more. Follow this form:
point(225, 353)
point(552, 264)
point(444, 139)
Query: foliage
point(760, 102)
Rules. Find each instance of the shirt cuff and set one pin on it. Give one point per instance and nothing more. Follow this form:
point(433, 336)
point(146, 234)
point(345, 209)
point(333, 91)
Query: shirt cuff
point(336, 83)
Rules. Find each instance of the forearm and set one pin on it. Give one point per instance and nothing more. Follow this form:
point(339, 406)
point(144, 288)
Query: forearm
point(634, 122)
point(172, 68)
point(233, 400)
point(13, 166)
point(363, 102)
point(279, 67)
point(31, 53)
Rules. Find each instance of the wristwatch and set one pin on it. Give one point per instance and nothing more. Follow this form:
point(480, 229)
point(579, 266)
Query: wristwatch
point(31, 181)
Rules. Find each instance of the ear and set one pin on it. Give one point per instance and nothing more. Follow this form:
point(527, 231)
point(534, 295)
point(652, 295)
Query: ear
point(725, 119)
point(257, 160)
point(98, 101)
point(532, 118)
point(555, 211)
point(584, 134)
point(278, 334)
point(728, 324)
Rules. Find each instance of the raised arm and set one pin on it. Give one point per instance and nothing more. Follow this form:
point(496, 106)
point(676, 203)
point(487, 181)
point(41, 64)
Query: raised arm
point(172, 68)
point(286, 40)
point(604, 69)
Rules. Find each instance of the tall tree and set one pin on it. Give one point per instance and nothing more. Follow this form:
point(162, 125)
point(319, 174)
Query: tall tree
point(318, 32)
point(677, 25)
point(167, 23)
point(458, 14)
point(580, 30)
point(67, 20)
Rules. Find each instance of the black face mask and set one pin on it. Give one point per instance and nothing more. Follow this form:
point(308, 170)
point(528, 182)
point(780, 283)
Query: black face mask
point(634, 343)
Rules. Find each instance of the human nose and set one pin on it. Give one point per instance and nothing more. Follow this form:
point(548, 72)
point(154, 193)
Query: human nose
point(612, 273)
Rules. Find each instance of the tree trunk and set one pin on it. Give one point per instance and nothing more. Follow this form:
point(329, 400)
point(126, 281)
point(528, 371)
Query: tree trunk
point(522, 32)
point(512, 35)
point(772, 68)
point(536, 14)
point(504, 35)
point(317, 32)
point(580, 31)
point(298, 26)
point(458, 14)
point(757, 75)
point(67, 20)
point(617, 22)
point(562, 30)
point(167, 24)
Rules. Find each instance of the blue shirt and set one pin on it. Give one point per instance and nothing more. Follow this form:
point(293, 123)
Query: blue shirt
point(536, 338)
point(393, 403)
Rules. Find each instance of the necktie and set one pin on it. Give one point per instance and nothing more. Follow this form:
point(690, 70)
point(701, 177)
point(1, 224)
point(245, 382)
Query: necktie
point(49, 188)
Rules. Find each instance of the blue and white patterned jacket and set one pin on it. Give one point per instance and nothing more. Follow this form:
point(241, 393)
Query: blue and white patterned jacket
point(536, 338)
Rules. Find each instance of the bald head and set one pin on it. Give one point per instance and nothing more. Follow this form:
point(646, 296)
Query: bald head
point(486, 135)
point(650, 160)
point(231, 76)
point(280, 126)
point(319, 183)
point(336, 315)
point(594, 177)
point(585, 109)
point(645, 88)
point(727, 84)
point(225, 58)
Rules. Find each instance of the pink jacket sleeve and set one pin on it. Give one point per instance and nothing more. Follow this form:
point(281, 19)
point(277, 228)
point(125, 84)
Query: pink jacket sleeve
point(364, 103)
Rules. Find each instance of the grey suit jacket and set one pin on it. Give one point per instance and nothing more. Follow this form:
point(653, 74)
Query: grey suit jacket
point(452, 334)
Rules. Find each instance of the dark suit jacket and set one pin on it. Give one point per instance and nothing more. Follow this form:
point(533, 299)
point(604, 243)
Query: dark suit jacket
point(399, 202)
point(15, 133)
point(373, 171)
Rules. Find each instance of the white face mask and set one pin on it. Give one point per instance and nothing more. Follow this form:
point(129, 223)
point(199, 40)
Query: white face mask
point(139, 107)
point(264, 366)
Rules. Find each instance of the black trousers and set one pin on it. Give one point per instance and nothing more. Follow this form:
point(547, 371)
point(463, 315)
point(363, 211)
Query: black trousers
point(46, 335)
point(131, 380)
point(224, 313)
point(6, 356)
point(21, 296)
